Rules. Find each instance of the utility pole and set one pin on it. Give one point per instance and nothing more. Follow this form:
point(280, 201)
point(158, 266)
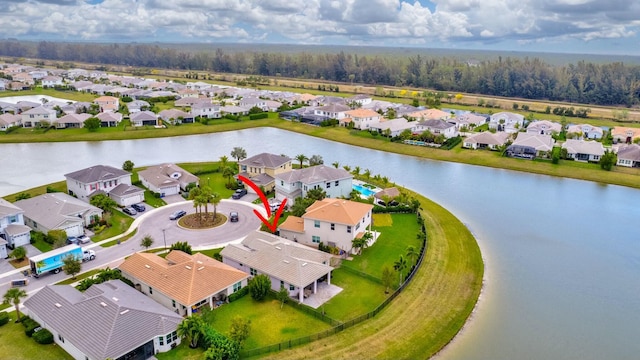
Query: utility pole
point(164, 237)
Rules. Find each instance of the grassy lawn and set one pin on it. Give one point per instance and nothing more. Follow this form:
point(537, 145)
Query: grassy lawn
point(121, 240)
point(358, 296)
point(392, 243)
point(210, 176)
point(182, 352)
point(42, 245)
point(151, 200)
point(119, 224)
point(60, 186)
point(210, 252)
point(79, 277)
point(15, 345)
point(381, 220)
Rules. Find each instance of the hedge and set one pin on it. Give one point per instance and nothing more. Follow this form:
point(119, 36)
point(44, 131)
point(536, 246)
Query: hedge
point(258, 116)
point(4, 318)
point(43, 336)
point(30, 327)
point(239, 294)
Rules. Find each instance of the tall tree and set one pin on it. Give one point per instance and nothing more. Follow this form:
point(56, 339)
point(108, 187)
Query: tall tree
point(71, 265)
point(191, 329)
point(283, 295)
point(227, 172)
point(412, 253)
point(387, 278)
point(259, 286)
point(13, 296)
point(215, 200)
point(128, 165)
point(240, 329)
point(302, 158)
point(315, 160)
point(238, 153)
point(103, 202)
point(400, 265)
point(224, 161)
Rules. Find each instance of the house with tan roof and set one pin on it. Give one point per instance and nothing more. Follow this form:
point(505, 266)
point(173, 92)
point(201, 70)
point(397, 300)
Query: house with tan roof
point(393, 127)
point(334, 222)
point(584, 131)
point(529, 145)
point(296, 183)
point(175, 116)
point(181, 282)
point(107, 103)
point(142, 118)
point(262, 169)
point(467, 121)
point(625, 135)
point(428, 114)
point(436, 127)
point(486, 140)
point(13, 231)
point(362, 118)
point(109, 119)
point(33, 117)
point(583, 150)
point(108, 321)
point(295, 267)
point(72, 120)
point(166, 179)
point(544, 127)
point(506, 121)
point(8, 120)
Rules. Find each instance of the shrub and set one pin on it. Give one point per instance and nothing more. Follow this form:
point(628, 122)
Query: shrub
point(259, 286)
point(258, 116)
point(30, 327)
point(4, 318)
point(43, 336)
point(239, 294)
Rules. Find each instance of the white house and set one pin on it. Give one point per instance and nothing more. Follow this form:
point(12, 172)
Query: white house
point(544, 127)
point(629, 155)
point(583, 150)
point(362, 118)
point(51, 81)
point(12, 227)
point(333, 111)
point(585, 131)
point(486, 140)
point(142, 118)
point(506, 121)
point(393, 127)
point(296, 183)
point(33, 117)
point(334, 222)
point(85, 183)
point(436, 127)
point(9, 120)
point(166, 179)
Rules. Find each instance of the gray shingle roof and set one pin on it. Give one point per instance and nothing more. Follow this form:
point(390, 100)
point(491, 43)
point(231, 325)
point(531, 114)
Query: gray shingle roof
point(7, 209)
point(629, 152)
point(583, 147)
point(537, 141)
point(107, 321)
point(314, 174)
point(288, 261)
point(267, 160)
point(51, 210)
point(436, 124)
point(96, 173)
point(125, 189)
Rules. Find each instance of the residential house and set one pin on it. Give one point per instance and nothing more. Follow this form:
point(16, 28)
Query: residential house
point(250, 102)
point(188, 93)
point(18, 85)
point(24, 78)
point(393, 127)
point(362, 118)
point(58, 211)
point(233, 110)
point(71, 121)
point(544, 127)
point(77, 73)
point(272, 106)
point(99, 179)
point(529, 145)
point(427, 114)
point(33, 117)
point(386, 195)
point(175, 116)
point(261, 169)
point(126, 194)
point(166, 179)
point(359, 99)
point(295, 267)
point(334, 111)
point(8, 120)
point(625, 135)
point(107, 103)
point(486, 140)
point(585, 131)
point(137, 105)
point(436, 127)
point(108, 321)
point(109, 119)
point(334, 222)
point(296, 183)
point(51, 81)
point(582, 150)
point(144, 118)
point(181, 282)
point(467, 121)
point(506, 121)
point(38, 74)
point(629, 155)
point(13, 231)
point(204, 109)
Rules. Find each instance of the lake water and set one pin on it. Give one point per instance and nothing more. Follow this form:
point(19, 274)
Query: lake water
point(32, 98)
point(562, 256)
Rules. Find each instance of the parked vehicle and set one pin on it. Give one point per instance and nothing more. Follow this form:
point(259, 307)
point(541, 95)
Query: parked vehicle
point(233, 216)
point(129, 211)
point(84, 239)
point(72, 240)
point(139, 207)
point(239, 193)
point(52, 261)
point(177, 215)
point(19, 283)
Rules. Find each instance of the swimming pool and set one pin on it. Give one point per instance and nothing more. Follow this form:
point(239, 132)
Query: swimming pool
point(363, 190)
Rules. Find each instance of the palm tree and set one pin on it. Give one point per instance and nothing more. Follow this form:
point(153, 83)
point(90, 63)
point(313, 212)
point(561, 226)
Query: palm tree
point(13, 296)
point(302, 158)
point(336, 164)
point(228, 173)
point(191, 329)
point(356, 171)
point(347, 168)
point(238, 153)
point(215, 200)
point(400, 265)
point(412, 253)
point(367, 173)
point(359, 243)
point(224, 161)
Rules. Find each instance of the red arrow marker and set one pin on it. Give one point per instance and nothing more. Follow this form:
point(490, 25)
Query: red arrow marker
point(265, 202)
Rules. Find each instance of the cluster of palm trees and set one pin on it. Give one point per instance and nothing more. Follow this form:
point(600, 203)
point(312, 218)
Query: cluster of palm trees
point(203, 197)
point(402, 264)
point(226, 169)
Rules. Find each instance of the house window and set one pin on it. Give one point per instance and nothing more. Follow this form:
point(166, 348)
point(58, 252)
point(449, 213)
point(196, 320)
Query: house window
point(161, 340)
point(349, 229)
point(281, 183)
point(171, 337)
point(61, 338)
point(315, 239)
point(237, 286)
point(292, 287)
point(281, 283)
point(13, 218)
point(150, 290)
point(173, 302)
point(316, 223)
point(337, 182)
point(328, 185)
point(333, 226)
point(357, 226)
point(253, 271)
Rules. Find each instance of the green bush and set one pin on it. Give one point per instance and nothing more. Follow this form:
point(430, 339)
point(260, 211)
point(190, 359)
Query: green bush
point(4, 318)
point(43, 336)
point(451, 143)
point(239, 294)
point(258, 116)
point(30, 327)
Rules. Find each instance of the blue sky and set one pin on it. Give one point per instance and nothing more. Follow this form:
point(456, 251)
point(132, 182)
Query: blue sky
point(577, 26)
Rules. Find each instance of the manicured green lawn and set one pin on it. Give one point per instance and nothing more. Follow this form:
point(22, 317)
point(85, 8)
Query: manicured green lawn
point(358, 296)
point(151, 200)
point(182, 352)
point(42, 245)
point(79, 277)
point(210, 252)
point(119, 224)
point(15, 345)
point(60, 186)
point(392, 243)
point(210, 176)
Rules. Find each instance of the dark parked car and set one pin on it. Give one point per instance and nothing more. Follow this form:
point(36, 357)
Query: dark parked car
point(139, 207)
point(177, 215)
point(239, 193)
point(129, 211)
point(72, 240)
point(233, 216)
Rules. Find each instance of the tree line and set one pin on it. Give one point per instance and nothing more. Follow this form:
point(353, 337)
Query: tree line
point(613, 83)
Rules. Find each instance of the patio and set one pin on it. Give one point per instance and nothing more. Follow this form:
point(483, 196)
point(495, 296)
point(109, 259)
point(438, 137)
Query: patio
point(324, 294)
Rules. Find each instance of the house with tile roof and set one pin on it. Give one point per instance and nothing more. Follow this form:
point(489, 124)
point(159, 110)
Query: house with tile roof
point(544, 127)
point(583, 150)
point(175, 116)
point(467, 120)
point(529, 145)
point(296, 267)
point(506, 121)
point(109, 119)
point(296, 183)
point(585, 131)
point(33, 117)
point(393, 127)
point(427, 114)
point(58, 211)
point(142, 118)
point(627, 135)
point(486, 140)
point(167, 179)
point(628, 155)
point(8, 120)
point(181, 282)
point(13, 231)
point(436, 127)
point(98, 179)
point(72, 120)
point(333, 111)
point(108, 321)
point(334, 222)
point(362, 118)
point(262, 169)
point(107, 103)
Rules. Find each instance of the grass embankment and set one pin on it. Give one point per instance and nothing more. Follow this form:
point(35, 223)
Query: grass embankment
point(15, 345)
point(431, 310)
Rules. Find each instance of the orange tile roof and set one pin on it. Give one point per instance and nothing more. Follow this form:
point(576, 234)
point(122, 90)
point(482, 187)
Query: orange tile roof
point(337, 211)
point(105, 99)
point(362, 113)
point(621, 130)
point(182, 277)
point(293, 223)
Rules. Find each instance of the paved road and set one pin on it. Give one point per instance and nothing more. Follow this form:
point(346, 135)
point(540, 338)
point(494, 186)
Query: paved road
point(152, 222)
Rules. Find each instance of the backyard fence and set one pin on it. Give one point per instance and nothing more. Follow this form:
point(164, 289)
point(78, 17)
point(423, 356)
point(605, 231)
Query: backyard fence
point(337, 325)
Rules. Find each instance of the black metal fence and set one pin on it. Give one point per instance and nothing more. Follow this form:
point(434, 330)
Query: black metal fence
point(337, 325)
